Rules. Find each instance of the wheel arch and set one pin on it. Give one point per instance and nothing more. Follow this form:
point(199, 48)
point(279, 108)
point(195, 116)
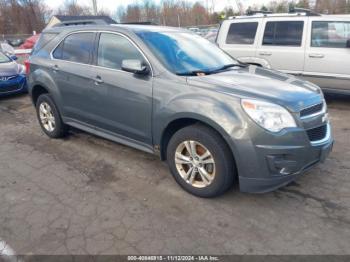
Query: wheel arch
point(178, 123)
point(37, 90)
point(41, 81)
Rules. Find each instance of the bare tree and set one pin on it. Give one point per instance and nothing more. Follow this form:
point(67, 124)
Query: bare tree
point(23, 16)
point(169, 12)
point(71, 7)
point(332, 6)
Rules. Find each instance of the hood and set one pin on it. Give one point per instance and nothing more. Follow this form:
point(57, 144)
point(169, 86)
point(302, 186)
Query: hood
point(259, 83)
point(10, 69)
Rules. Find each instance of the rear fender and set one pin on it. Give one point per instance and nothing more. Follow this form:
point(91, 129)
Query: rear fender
point(42, 78)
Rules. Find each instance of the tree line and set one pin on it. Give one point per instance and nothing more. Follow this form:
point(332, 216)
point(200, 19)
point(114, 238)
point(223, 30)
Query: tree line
point(321, 6)
point(169, 12)
point(22, 16)
point(26, 16)
point(183, 13)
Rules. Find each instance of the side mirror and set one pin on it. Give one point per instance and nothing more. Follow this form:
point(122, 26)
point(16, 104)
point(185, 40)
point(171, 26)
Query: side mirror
point(134, 66)
point(13, 57)
point(348, 43)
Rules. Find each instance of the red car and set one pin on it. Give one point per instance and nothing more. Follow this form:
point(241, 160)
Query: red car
point(30, 42)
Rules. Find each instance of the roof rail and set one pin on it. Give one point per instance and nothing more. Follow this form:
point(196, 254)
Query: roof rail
point(307, 12)
point(139, 23)
point(292, 12)
point(255, 12)
point(82, 22)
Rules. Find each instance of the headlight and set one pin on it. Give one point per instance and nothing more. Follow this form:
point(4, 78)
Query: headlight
point(267, 115)
point(22, 69)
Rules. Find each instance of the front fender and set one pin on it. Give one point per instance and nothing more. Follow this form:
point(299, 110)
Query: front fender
point(222, 112)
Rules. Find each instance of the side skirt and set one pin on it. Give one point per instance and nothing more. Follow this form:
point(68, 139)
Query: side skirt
point(107, 135)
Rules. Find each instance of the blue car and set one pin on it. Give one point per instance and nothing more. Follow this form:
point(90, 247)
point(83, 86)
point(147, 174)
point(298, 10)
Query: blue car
point(12, 76)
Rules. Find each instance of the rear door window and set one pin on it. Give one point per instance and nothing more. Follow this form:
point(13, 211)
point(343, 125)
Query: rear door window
point(242, 33)
point(330, 34)
point(76, 47)
point(283, 33)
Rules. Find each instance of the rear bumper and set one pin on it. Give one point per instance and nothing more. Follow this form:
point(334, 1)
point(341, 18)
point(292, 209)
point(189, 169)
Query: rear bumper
point(15, 86)
point(272, 167)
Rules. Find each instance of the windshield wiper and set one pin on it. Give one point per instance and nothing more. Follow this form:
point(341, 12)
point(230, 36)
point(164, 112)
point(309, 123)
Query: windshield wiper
point(192, 73)
point(227, 67)
point(199, 72)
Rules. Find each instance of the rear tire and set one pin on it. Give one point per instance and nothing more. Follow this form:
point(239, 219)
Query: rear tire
point(49, 118)
point(200, 161)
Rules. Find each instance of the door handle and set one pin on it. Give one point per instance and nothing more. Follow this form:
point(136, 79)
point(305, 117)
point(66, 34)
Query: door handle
point(316, 55)
point(98, 80)
point(265, 53)
point(55, 68)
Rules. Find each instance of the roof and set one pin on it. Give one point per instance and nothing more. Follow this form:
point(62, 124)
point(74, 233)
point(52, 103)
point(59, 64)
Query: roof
point(300, 14)
point(67, 18)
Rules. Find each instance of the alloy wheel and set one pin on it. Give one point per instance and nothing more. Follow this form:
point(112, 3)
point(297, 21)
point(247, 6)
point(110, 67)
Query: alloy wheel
point(195, 164)
point(47, 117)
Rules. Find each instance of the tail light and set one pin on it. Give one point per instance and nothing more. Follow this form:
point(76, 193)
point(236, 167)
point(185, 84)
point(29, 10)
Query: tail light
point(27, 66)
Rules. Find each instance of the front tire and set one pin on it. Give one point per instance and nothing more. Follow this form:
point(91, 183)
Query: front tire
point(200, 161)
point(49, 118)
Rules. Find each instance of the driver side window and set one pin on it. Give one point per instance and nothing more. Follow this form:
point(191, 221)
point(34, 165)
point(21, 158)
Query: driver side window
point(113, 49)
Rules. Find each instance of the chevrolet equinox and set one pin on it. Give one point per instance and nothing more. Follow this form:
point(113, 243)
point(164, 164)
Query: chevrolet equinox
point(170, 92)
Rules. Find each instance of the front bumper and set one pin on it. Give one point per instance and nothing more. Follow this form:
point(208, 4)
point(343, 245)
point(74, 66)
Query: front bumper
point(16, 85)
point(303, 160)
point(275, 162)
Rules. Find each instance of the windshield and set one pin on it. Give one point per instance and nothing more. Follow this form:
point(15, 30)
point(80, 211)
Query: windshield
point(186, 53)
point(4, 58)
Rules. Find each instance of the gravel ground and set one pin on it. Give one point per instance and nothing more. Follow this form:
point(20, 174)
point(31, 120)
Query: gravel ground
point(86, 195)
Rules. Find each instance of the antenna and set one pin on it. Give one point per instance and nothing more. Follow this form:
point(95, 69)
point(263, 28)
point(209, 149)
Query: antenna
point(94, 6)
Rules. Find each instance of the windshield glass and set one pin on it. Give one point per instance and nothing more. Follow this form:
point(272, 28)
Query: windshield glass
point(4, 59)
point(186, 53)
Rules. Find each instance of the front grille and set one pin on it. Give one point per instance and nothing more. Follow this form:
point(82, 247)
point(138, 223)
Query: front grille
point(7, 78)
point(311, 110)
point(10, 88)
point(318, 133)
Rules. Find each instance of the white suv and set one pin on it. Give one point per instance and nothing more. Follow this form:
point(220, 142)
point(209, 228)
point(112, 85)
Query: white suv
point(314, 47)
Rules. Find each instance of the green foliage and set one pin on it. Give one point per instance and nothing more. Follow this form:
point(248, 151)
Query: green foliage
point(264, 8)
point(303, 4)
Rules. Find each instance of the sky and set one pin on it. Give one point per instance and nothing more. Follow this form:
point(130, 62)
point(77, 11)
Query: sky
point(111, 5)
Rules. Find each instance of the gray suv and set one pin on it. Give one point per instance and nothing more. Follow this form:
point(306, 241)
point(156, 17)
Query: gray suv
point(170, 92)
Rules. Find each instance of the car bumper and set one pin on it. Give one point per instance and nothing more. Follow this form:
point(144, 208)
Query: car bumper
point(14, 86)
point(269, 167)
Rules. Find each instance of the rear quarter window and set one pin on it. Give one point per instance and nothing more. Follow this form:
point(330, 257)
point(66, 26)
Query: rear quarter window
point(242, 33)
point(77, 47)
point(331, 34)
point(43, 40)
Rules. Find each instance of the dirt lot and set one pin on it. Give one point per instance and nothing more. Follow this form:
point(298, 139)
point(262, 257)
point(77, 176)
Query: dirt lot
point(86, 195)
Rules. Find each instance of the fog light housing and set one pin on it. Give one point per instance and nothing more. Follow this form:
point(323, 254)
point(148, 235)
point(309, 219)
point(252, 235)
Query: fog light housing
point(281, 165)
